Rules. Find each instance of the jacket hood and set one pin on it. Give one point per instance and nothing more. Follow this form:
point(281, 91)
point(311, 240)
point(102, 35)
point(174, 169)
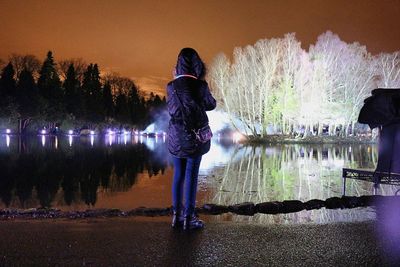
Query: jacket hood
point(189, 62)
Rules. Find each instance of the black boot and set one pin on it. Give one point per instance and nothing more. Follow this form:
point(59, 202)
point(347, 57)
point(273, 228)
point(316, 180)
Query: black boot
point(191, 221)
point(177, 220)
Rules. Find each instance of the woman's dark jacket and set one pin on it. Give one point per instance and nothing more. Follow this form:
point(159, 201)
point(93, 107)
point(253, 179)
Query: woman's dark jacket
point(187, 99)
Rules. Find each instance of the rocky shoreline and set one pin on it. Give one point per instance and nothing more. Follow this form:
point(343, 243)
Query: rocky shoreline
point(247, 208)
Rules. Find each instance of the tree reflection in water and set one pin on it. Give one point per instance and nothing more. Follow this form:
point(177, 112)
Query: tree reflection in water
point(34, 173)
point(71, 173)
point(266, 173)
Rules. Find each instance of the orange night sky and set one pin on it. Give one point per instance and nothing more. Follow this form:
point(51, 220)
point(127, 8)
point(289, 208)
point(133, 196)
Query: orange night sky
point(141, 39)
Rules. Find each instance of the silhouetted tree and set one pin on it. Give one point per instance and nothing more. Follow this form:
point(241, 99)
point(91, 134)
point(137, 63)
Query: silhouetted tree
point(7, 81)
point(80, 67)
point(135, 105)
point(73, 94)
point(49, 82)
point(27, 99)
point(2, 63)
point(108, 101)
point(122, 109)
point(25, 62)
point(50, 88)
point(91, 88)
point(8, 106)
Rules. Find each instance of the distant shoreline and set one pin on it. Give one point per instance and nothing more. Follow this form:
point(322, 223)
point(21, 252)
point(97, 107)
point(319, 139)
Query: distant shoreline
point(284, 139)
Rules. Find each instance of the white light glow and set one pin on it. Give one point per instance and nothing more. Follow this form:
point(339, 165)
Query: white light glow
point(70, 140)
point(151, 144)
point(91, 140)
point(43, 140)
point(70, 132)
point(237, 137)
point(92, 132)
point(43, 131)
point(8, 140)
point(217, 156)
point(8, 131)
point(56, 142)
point(151, 128)
point(218, 120)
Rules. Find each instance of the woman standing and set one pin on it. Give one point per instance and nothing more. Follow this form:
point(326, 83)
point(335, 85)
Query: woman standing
point(188, 98)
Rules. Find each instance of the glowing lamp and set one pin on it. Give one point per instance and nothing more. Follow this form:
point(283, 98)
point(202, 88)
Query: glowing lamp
point(8, 131)
point(91, 132)
point(43, 131)
point(70, 132)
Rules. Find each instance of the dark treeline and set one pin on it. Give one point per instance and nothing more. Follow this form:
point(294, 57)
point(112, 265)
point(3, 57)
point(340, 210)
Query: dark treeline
point(38, 175)
point(70, 92)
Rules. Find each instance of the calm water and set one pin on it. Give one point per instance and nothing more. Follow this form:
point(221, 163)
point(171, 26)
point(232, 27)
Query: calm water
point(124, 172)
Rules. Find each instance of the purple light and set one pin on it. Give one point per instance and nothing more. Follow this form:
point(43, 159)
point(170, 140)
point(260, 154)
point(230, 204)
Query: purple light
point(388, 218)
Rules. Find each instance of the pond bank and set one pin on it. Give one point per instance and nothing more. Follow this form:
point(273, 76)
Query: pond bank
point(151, 242)
point(285, 139)
point(246, 208)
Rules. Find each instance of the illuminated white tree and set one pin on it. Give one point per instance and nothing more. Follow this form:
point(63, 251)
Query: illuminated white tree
point(344, 73)
point(289, 81)
point(388, 70)
point(219, 78)
point(357, 82)
point(325, 82)
point(276, 83)
point(269, 53)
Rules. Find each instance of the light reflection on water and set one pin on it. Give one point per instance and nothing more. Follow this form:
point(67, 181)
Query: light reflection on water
point(259, 174)
point(43, 140)
point(124, 171)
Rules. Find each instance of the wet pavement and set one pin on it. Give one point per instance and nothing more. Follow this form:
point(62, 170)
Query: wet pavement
point(151, 242)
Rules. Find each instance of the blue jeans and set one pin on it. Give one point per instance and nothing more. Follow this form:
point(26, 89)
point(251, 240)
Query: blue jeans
point(186, 171)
